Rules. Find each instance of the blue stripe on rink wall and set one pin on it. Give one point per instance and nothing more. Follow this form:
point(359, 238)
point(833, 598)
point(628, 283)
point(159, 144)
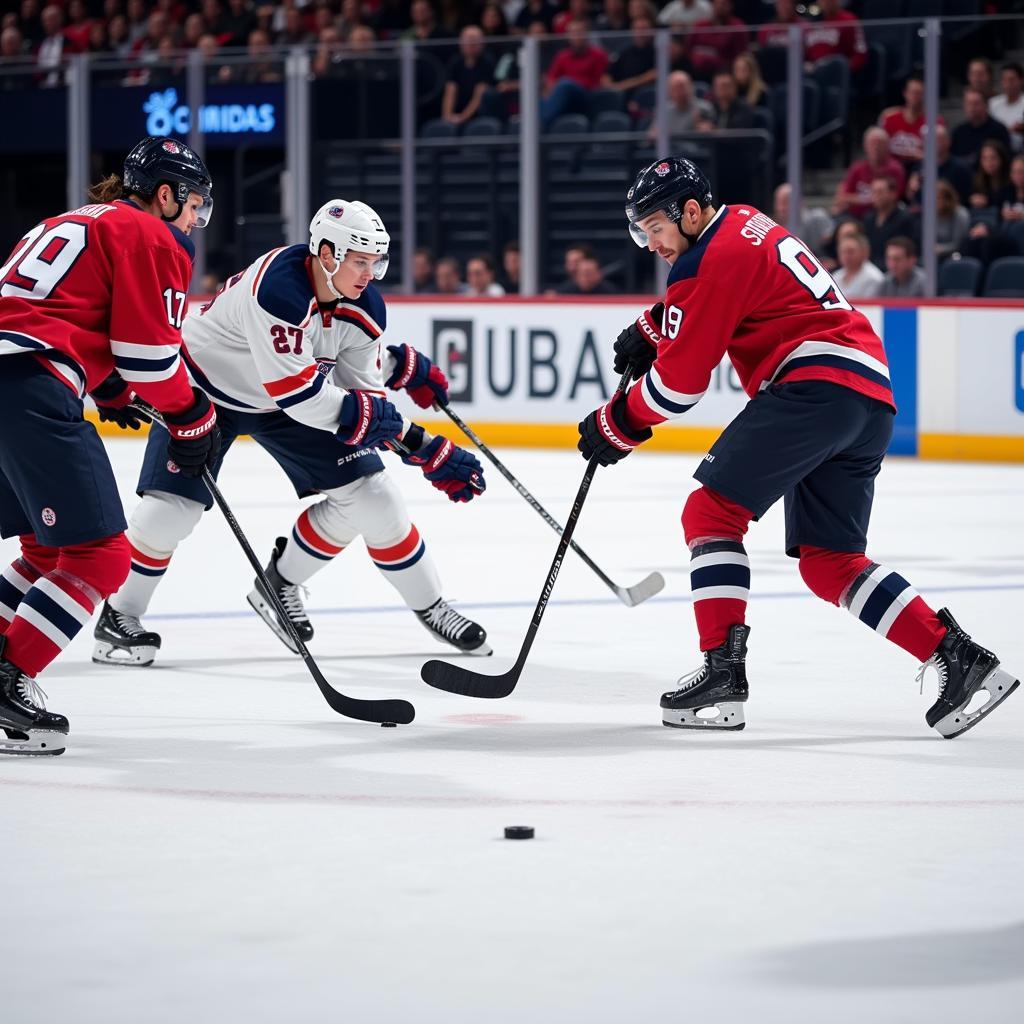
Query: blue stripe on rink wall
point(899, 332)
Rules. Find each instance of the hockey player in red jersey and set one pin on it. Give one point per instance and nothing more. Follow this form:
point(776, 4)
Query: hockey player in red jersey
point(91, 301)
point(815, 430)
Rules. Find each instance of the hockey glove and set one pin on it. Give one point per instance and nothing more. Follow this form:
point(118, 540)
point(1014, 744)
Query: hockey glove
point(604, 434)
point(195, 436)
point(449, 468)
point(367, 420)
point(638, 343)
point(112, 398)
point(424, 381)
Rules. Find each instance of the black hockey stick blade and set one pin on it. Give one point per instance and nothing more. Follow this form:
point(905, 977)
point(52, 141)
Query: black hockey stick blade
point(455, 679)
point(401, 712)
point(629, 596)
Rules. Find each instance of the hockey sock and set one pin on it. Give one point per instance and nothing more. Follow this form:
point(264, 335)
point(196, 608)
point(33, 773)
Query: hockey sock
point(36, 559)
point(407, 567)
point(879, 597)
point(58, 604)
point(720, 584)
point(309, 548)
point(148, 568)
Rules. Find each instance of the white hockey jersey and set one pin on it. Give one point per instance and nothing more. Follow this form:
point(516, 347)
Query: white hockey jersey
point(262, 344)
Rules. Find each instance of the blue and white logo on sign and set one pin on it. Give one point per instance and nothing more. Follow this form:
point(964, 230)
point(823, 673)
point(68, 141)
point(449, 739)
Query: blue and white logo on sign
point(166, 115)
point(1018, 371)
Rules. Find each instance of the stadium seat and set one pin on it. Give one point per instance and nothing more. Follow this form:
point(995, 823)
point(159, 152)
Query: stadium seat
point(438, 129)
point(601, 100)
point(1015, 232)
point(1005, 278)
point(881, 10)
point(987, 215)
point(569, 124)
point(484, 126)
point(960, 278)
point(612, 121)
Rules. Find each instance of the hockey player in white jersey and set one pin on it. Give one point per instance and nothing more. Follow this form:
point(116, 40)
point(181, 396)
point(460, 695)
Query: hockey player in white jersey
point(289, 351)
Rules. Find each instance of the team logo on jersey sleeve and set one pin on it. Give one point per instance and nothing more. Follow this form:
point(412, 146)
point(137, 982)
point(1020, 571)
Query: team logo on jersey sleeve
point(48, 516)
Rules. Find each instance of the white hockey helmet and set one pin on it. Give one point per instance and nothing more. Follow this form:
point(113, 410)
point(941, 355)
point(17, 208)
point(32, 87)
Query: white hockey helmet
point(350, 226)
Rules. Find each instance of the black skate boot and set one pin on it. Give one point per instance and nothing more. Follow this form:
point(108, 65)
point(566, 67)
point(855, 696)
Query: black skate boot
point(290, 595)
point(965, 669)
point(448, 625)
point(712, 696)
point(26, 727)
point(121, 640)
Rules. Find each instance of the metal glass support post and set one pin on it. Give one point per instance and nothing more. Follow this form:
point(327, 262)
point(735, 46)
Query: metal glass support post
point(407, 56)
point(663, 65)
point(79, 87)
point(929, 257)
point(195, 87)
point(795, 126)
point(295, 197)
point(529, 167)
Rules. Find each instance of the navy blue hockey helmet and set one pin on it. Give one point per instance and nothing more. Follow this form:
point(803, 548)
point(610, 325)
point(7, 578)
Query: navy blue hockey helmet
point(665, 185)
point(159, 161)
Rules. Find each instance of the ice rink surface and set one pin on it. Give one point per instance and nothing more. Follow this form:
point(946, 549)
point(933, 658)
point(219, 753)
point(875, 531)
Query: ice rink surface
point(217, 845)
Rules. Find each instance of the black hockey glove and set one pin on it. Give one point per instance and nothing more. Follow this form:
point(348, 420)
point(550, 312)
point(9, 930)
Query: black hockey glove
point(605, 435)
point(368, 421)
point(195, 437)
point(447, 466)
point(112, 398)
point(638, 343)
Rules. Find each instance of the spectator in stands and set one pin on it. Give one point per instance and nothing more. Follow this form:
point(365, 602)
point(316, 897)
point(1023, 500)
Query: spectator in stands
point(470, 75)
point(727, 109)
point(12, 44)
point(53, 49)
point(535, 10)
point(588, 279)
point(351, 17)
point(853, 196)
point(495, 26)
point(30, 23)
point(991, 177)
point(685, 111)
point(446, 277)
point(956, 171)
point(13, 53)
point(685, 13)
point(575, 71)
point(76, 32)
point(716, 41)
point(209, 47)
point(613, 17)
point(977, 128)
point(1011, 200)
point(846, 227)
point(260, 64)
point(857, 276)
point(213, 15)
point(137, 18)
point(423, 272)
point(953, 222)
point(425, 27)
point(391, 19)
point(634, 66)
point(837, 34)
point(511, 264)
point(294, 32)
point(979, 76)
point(1008, 106)
point(194, 30)
point(903, 278)
point(329, 56)
point(905, 125)
point(749, 83)
point(238, 22)
point(574, 254)
point(480, 281)
point(815, 226)
point(575, 10)
point(776, 32)
point(888, 219)
point(117, 36)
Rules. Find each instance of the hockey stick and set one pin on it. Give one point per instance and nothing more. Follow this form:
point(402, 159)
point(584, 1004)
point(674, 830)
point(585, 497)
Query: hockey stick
point(455, 678)
point(401, 712)
point(629, 596)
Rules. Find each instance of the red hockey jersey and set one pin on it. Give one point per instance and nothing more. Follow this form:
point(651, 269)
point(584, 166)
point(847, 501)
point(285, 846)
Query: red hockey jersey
point(751, 289)
point(100, 288)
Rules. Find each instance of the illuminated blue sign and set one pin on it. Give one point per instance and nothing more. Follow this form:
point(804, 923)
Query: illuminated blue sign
point(1018, 371)
point(165, 115)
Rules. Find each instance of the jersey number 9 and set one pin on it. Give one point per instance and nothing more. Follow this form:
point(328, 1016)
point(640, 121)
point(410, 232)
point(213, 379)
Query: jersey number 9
point(42, 260)
point(804, 266)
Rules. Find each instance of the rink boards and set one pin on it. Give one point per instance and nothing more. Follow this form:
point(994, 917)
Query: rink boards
point(525, 371)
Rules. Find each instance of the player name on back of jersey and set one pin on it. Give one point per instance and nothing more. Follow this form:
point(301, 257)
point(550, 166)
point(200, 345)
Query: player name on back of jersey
point(93, 210)
point(757, 227)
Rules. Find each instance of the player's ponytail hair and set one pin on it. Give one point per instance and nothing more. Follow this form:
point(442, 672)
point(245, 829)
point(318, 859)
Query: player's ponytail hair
point(107, 190)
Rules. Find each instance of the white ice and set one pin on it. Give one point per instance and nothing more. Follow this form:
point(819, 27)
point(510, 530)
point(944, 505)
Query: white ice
point(217, 846)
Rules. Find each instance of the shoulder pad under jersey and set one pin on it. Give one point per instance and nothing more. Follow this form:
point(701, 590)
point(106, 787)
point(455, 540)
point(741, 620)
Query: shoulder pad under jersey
point(368, 312)
point(283, 288)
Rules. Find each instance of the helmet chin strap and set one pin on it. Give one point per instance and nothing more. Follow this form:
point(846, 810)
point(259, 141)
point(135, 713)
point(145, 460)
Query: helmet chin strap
point(330, 283)
point(692, 239)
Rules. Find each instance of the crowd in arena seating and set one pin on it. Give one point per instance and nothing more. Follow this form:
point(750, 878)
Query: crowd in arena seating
point(723, 76)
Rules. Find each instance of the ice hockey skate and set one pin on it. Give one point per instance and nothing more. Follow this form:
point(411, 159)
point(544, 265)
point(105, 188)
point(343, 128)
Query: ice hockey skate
point(712, 696)
point(444, 622)
point(965, 671)
point(121, 640)
point(290, 596)
point(26, 727)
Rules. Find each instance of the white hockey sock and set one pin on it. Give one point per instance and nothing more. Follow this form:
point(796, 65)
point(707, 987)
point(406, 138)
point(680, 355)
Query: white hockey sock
point(308, 549)
point(408, 568)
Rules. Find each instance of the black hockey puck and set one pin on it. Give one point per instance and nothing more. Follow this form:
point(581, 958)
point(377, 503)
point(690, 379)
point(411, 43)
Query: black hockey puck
point(389, 725)
point(519, 832)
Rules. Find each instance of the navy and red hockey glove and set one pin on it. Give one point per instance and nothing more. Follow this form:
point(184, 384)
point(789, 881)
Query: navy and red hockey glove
point(604, 434)
point(424, 381)
point(449, 468)
point(112, 399)
point(367, 420)
point(195, 437)
point(638, 343)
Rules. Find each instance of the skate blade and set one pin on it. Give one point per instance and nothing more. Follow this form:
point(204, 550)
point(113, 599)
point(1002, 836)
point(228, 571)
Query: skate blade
point(105, 653)
point(729, 717)
point(998, 684)
point(483, 651)
point(266, 613)
point(37, 743)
